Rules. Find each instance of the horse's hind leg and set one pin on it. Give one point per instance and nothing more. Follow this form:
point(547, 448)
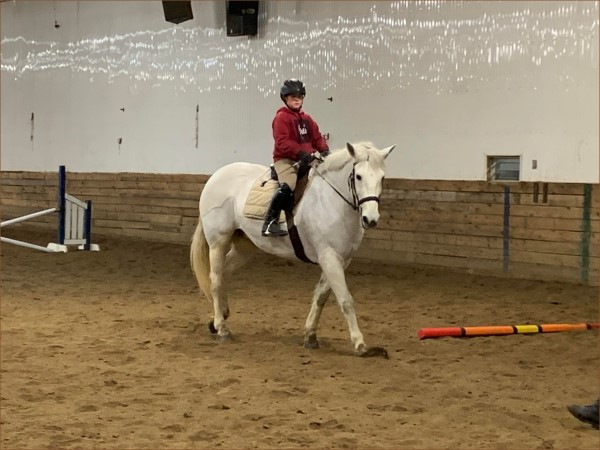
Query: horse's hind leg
point(217, 253)
point(321, 294)
point(240, 252)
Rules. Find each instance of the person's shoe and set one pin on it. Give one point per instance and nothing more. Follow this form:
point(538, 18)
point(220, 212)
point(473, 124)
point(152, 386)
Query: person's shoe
point(587, 414)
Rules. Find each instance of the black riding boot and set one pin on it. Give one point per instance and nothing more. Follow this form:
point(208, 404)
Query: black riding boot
point(280, 201)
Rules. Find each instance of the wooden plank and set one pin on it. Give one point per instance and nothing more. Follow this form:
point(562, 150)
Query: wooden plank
point(142, 209)
point(131, 176)
point(437, 238)
point(560, 247)
point(28, 182)
point(550, 211)
point(596, 196)
point(28, 189)
point(439, 196)
point(155, 221)
point(33, 204)
point(145, 234)
point(137, 185)
point(161, 219)
point(388, 217)
point(138, 217)
point(487, 208)
point(26, 198)
point(433, 206)
point(418, 238)
point(545, 223)
point(165, 227)
point(545, 235)
point(91, 193)
point(553, 200)
point(594, 264)
point(108, 202)
point(387, 220)
point(187, 231)
point(480, 186)
point(120, 224)
point(450, 185)
point(189, 222)
point(6, 175)
point(480, 197)
point(545, 258)
point(447, 228)
point(437, 249)
point(190, 212)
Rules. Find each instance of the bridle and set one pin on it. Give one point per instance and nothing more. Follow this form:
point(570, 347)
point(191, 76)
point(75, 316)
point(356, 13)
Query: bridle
point(356, 202)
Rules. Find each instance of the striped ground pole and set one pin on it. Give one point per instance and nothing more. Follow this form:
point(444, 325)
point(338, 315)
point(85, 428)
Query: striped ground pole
point(501, 330)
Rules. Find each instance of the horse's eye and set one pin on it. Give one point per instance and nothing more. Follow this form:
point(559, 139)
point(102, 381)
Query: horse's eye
point(358, 177)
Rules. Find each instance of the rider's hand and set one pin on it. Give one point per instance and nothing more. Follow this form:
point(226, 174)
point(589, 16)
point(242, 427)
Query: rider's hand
point(324, 154)
point(305, 158)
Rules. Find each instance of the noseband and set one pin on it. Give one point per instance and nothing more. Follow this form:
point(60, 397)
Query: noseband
point(356, 202)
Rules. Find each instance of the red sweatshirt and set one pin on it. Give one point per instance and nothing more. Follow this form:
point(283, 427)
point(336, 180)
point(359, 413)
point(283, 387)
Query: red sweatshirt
point(294, 132)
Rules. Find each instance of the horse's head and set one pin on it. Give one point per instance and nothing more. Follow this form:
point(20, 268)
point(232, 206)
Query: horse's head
point(366, 180)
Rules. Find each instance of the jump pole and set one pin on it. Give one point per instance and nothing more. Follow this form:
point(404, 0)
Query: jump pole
point(498, 330)
point(22, 219)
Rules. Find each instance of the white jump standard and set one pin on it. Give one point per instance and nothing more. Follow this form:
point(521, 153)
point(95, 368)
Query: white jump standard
point(74, 222)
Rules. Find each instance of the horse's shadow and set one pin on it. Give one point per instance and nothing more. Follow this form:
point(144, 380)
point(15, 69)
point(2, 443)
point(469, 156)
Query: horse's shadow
point(195, 341)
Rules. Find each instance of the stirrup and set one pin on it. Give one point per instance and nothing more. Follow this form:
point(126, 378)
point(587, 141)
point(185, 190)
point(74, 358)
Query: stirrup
point(273, 230)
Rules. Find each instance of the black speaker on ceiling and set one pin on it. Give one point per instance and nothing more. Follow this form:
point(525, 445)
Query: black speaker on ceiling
point(242, 18)
point(177, 12)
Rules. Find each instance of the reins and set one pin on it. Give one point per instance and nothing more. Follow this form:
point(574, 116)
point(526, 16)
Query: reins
point(356, 202)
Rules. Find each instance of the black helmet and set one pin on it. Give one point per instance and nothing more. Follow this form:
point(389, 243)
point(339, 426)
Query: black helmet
point(292, 86)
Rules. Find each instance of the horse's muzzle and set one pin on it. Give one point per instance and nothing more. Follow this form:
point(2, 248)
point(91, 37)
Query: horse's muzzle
point(368, 223)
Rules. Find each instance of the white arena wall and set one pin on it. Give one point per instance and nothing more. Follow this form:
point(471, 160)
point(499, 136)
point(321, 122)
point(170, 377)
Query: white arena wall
point(448, 82)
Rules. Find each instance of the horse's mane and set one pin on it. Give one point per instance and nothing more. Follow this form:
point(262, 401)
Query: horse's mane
point(340, 157)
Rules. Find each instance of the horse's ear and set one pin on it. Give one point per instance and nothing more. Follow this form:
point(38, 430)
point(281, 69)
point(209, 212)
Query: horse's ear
point(351, 149)
point(386, 151)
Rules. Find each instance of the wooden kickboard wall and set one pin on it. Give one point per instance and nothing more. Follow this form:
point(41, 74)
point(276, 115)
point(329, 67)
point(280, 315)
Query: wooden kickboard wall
point(545, 231)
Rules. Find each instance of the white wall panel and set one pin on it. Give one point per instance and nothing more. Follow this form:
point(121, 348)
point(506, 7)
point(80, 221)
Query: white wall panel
point(448, 82)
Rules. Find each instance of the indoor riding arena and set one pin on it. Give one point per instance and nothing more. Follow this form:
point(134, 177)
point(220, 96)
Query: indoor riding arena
point(478, 286)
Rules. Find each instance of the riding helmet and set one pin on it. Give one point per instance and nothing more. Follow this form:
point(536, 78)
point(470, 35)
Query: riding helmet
point(292, 86)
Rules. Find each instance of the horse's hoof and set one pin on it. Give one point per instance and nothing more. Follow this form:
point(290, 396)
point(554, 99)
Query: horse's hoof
point(311, 342)
point(373, 351)
point(211, 327)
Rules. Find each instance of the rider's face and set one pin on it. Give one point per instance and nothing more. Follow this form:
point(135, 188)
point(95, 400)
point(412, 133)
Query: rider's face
point(294, 101)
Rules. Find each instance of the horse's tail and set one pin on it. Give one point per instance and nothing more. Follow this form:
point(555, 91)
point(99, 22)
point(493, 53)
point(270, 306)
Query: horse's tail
point(199, 259)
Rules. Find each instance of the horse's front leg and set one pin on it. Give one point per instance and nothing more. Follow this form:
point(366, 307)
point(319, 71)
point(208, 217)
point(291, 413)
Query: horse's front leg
point(333, 267)
point(322, 291)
